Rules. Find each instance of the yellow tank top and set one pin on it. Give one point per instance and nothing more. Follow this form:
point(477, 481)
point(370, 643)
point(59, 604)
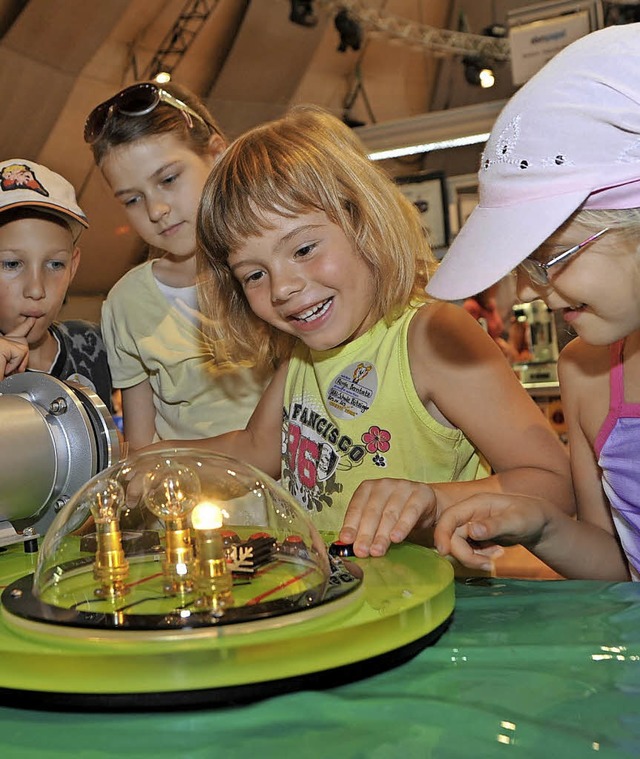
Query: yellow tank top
point(352, 414)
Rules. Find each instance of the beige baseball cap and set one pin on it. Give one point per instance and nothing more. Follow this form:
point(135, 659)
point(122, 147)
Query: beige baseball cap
point(25, 183)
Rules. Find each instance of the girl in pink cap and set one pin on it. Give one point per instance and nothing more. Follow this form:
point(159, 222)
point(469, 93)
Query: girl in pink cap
point(561, 176)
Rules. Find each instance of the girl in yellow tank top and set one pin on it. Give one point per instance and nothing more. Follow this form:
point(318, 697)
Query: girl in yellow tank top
point(383, 402)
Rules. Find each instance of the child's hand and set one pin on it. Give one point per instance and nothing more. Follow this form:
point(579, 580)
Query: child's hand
point(473, 530)
point(385, 511)
point(14, 349)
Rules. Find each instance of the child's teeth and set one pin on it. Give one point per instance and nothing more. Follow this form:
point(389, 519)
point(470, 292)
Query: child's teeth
point(316, 311)
point(306, 314)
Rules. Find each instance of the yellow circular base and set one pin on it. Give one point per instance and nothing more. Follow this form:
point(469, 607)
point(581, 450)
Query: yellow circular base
point(404, 604)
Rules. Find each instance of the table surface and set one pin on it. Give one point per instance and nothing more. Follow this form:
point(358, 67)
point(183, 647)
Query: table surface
point(527, 668)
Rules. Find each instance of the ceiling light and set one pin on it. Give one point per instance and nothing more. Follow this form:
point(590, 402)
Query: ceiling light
point(349, 30)
point(435, 130)
point(487, 78)
point(456, 142)
point(302, 13)
point(478, 71)
point(162, 77)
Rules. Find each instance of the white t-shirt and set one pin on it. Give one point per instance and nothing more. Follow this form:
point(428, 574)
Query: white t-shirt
point(150, 336)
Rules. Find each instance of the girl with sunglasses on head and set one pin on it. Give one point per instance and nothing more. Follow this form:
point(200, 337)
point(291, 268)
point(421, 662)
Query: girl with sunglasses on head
point(560, 202)
point(156, 146)
point(382, 404)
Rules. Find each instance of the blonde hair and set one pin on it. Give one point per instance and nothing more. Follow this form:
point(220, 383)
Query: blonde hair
point(625, 222)
point(306, 161)
point(622, 219)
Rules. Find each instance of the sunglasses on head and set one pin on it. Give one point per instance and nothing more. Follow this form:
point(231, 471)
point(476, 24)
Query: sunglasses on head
point(137, 100)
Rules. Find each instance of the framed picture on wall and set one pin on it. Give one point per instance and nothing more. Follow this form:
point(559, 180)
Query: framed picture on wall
point(428, 192)
point(463, 198)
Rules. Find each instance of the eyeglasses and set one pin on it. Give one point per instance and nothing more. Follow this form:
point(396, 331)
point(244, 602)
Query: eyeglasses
point(137, 100)
point(539, 272)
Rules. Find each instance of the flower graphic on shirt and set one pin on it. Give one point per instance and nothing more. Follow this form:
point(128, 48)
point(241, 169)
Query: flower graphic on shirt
point(377, 440)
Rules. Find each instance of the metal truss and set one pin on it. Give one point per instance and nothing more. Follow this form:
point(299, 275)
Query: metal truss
point(179, 38)
point(440, 41)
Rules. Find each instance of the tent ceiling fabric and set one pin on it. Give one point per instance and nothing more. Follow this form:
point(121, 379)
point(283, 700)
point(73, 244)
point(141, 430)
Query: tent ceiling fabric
point(248, 61)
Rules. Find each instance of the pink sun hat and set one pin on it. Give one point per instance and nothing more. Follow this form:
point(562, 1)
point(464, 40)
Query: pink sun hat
point(568, 139)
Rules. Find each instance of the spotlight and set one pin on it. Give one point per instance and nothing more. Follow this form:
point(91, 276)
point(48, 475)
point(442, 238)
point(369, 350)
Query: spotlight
point(495, 30)
point(349, 31)
point(350, 122)
point(302, 13)
point(478, 71)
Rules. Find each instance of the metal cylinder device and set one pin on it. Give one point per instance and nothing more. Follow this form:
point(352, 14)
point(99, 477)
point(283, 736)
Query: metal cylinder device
point(54, 437)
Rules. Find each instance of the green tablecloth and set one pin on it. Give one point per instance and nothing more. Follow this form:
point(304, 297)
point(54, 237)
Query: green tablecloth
point(528, 668)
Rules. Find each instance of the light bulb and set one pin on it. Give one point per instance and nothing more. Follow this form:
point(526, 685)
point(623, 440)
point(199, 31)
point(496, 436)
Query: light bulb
point(214, 580)
point(106, 500)
point(111, 567)
point(171, 490)
point(207, 516)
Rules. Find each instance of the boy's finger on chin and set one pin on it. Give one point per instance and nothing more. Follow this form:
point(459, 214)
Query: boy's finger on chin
point(21, 331)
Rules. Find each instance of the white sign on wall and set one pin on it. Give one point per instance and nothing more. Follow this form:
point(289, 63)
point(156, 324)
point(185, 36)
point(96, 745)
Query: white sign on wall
point(532, 45)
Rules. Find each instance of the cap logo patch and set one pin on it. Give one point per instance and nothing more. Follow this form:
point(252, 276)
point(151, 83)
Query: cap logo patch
point(504, 147)
point(631, 154)
point(19, 176)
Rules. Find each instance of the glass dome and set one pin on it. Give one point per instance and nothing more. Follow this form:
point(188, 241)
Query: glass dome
point(180, 538)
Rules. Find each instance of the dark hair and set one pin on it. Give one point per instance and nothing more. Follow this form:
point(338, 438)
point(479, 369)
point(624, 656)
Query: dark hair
point(164, 118)
point(31, 212)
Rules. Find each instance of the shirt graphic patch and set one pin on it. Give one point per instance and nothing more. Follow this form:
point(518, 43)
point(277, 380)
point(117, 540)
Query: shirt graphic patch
point(353, 390)
point(315, 451)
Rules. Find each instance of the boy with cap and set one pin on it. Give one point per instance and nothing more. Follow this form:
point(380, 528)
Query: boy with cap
point(40, 222)
point(560, 202)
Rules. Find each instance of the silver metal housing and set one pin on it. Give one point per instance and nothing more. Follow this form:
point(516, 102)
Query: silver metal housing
point(54, 436)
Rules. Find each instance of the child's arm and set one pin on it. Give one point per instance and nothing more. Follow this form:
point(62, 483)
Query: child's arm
point(574, 549)
point(259, 443)
point(138, 414)
point(583, 371)
point(584, 378)
point(588, 548)
point(463, 379)
point(14, 350)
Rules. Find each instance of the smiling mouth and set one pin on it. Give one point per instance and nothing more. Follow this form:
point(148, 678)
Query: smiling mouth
point(311, 314)
point(171, 229)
